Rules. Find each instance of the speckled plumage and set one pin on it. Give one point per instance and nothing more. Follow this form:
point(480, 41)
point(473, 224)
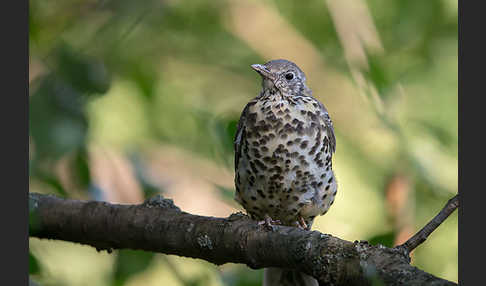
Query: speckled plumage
point(283, 152)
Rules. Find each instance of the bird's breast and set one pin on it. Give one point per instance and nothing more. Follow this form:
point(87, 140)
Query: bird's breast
point(285, 165)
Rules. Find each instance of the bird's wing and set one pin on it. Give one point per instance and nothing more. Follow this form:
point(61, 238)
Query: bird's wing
point(240, 133)
point(329, 128)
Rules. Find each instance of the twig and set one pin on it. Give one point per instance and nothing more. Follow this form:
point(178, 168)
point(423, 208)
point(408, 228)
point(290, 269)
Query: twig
point(424, 233)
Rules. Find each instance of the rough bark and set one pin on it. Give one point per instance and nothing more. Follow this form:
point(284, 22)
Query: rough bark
point(159, 226)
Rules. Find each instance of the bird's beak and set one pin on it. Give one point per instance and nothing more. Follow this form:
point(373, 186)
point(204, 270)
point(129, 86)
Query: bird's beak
point(263, 71)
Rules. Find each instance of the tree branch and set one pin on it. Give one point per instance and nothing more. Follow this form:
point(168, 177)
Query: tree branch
point(158, 225)
point(424, 233)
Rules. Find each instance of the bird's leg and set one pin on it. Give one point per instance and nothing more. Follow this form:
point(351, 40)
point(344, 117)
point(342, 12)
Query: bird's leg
point(301, 223)
point(268, 222)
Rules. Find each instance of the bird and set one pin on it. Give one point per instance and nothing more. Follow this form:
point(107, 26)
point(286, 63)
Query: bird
point(283, 146)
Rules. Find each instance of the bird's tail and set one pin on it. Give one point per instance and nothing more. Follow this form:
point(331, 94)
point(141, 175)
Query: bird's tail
point(286, 277)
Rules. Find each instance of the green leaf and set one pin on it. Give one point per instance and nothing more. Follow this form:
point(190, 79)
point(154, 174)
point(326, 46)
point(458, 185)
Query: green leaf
point(231, 127)
point(224, 129)
point(378, 74)
point(439, 132)
point(86, 74)
point(226, 194)
point(34, 266)
point(57, 122)
point(385, 239)
point(145, 78)
point(81, 170)
point(130, 262)
point(53, 182)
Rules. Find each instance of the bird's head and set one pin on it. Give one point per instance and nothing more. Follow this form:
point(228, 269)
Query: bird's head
point(283, 76)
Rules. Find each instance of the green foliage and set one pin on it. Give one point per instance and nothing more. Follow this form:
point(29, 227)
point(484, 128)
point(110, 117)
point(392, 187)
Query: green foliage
point(439, 132)
point(34, 267)
point(129, 263)
point(85, 74)
point(385, 239)
point(81, 168)
point(226, 194)
point(240, 276)
point(378, 75)
point(53, 183)
point(57, 119)
point(311, 26)
point(223, 131)
point(57, 123)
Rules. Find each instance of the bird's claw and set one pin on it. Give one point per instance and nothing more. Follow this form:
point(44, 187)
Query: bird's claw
point(301, 224)
point(269, 223)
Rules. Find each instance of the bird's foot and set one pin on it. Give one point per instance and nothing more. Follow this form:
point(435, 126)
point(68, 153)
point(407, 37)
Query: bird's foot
point(269, 223)
point(302, 224)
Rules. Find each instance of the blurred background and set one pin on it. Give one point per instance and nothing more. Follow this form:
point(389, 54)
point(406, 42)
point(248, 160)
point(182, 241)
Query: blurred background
point(129, 99)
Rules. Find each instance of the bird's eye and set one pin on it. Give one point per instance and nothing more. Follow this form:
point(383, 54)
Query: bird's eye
point(289, 76)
